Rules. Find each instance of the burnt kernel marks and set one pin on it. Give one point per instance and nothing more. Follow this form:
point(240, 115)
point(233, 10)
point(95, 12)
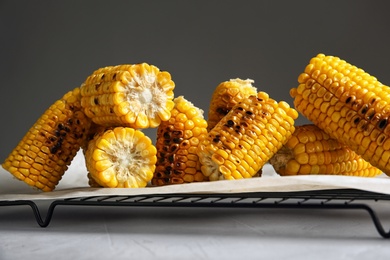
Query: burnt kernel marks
point(240, 146)
point(171, 158)
point(381, 139)
point(240, 108)
point(370, 115)
point(167, 136)
point(174, 148)
point(70, 121)
point(222, 111)
point(229, 123)
point(71, 107)
point(97, 86)
point(56, 147)
point(60, 126)
point(382, 124)
point(217, 138)
point(177, 172)
point(244, 124)
point(348, 100)
point(96, 100)
point(176, 140)
point(249, 113)
point(356, 120)
point(103, 75)
point(260, 99)
point(111, 110)
point(177, 133)
point(372, 101)
point(114, 76)
point(364, 109)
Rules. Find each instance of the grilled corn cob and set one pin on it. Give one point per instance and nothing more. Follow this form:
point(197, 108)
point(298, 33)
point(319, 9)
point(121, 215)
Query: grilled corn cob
point(348, 104)
point(43, 155)
point(246, 138)
point(225, 96)
point(138, 96)
point(177, 141)
point(312, 151)
point(121, 157)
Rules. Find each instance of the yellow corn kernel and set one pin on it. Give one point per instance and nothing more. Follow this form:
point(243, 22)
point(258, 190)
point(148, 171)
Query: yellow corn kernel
point(322, 155)
point(51, 143)
point(138, 96)
point(360, 106)
point(225, 96)
point(246, 130)
point(177, 161)
point(121, 157)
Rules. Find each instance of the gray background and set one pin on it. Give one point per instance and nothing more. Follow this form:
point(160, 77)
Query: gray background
point(50, 47)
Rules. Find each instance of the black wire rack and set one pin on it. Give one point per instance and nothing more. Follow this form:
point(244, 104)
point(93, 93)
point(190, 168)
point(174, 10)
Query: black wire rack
point(340, 199)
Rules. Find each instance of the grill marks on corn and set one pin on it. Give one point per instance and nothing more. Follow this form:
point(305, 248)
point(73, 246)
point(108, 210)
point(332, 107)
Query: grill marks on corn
point(225, 96)
point(45, 152)
point(357, 109)
point(244, 140)
point(177, 141)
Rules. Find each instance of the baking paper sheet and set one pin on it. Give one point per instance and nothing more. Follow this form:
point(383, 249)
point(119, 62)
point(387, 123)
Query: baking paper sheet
point(75, 184)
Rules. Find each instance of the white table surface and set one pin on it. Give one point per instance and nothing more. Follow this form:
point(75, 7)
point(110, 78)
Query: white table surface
point(81, 232)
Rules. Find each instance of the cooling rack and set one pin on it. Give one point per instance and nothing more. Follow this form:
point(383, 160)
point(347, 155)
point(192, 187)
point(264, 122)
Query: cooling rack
point(340, 199)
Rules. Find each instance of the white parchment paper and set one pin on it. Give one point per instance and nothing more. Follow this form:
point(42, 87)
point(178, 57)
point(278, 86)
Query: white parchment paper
point(75, 184)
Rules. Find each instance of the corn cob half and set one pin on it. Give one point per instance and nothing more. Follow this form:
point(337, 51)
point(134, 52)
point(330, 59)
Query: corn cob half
point(138, 96)
point(225, 96)
point(177, 142)
point(246, 138)
point(348, 104)
point(312, 151)
point(121, 157)
point(43, 155)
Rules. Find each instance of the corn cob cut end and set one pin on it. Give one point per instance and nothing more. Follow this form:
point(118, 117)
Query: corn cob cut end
point(225, 96)
point(177, 141)
point(121, 157)
point(246, 138)
point(43, 155)
point(137, 96)
point(311, 151)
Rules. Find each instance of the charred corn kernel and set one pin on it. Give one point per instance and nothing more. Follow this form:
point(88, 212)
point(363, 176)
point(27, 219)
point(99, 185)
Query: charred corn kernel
point(177, 161)
point(358, 115)
point(50, 144)
point(138, 96)
point(245, 130)
point(225, 96)
point(320, 154)
point(121, 157)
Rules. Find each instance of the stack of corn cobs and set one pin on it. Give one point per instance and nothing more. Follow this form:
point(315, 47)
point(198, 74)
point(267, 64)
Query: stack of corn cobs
point(245, 129)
